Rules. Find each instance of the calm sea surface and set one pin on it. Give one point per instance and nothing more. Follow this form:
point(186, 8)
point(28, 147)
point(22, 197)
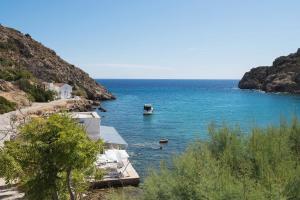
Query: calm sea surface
point(182, 111)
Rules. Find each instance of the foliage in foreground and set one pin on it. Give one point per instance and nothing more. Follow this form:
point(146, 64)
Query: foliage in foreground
point(50, 158)
point(263, 165)
point(6, 106)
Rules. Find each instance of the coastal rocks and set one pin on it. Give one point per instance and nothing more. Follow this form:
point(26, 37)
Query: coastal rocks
point(282, 76)
point(21, 51)
point(254, 79)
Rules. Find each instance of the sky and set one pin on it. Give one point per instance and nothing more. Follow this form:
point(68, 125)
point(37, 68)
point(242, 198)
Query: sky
point(164, 39)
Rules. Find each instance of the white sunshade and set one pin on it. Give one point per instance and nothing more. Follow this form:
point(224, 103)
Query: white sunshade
point(112, 155)
point(116, 155)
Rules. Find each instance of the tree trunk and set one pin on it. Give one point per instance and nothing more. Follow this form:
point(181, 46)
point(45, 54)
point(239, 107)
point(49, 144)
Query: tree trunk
point(72, 195)
point(55, 195)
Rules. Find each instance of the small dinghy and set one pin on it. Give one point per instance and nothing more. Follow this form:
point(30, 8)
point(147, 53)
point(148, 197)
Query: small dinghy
point(163, 141)
point(148, 109)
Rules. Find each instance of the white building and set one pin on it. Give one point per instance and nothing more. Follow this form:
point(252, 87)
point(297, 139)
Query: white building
point(114, 159)
point(63, 90)
point(110, 136)
point(91, 122)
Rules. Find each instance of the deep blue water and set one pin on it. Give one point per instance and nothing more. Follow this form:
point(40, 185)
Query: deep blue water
point(183, 109)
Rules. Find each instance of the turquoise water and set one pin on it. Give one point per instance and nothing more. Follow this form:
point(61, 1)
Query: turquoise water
point(183, 110)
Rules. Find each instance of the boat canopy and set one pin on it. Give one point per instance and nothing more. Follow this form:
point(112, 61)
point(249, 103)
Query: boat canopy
point(147, 107)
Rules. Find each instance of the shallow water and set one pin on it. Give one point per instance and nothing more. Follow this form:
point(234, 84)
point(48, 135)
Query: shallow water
point(182, 111)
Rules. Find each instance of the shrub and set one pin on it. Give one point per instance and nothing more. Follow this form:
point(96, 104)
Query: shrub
point(36, 92)
point(10, 74)
point(79, 92)
point(10, 44)
point(6, 106)
point(262, 165)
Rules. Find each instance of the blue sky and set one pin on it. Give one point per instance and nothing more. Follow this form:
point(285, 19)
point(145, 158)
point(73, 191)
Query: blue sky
point(211, 39)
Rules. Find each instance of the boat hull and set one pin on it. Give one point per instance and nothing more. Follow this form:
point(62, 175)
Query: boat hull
point(149, 112)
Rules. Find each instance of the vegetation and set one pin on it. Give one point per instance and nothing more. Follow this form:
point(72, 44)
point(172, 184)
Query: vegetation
point(6, 106)
point(79, 92)
point(262, 165)
point(36, 92)
point(12, 74)
point(26, 82)
point(125, 193)
point(50, 158)
point(9, 45)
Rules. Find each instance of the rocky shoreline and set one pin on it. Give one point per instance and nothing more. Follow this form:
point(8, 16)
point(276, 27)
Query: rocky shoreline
point(283, 76)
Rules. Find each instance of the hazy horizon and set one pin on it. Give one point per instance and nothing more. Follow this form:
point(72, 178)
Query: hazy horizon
point(167, 39)
point(206, 79)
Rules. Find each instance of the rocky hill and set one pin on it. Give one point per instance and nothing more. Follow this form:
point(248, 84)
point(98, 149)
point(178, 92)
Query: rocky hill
point(13, 94)
point(21, 51)
point(282, 76)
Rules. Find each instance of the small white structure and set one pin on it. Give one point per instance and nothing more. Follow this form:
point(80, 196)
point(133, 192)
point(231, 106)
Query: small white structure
point(63, 90)
point(91, 121)
point(114, 160)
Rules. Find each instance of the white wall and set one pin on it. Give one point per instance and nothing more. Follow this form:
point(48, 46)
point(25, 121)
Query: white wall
point(92, 126)
point(65, 92)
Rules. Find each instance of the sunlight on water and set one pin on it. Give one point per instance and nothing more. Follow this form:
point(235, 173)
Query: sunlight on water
point(182, 111)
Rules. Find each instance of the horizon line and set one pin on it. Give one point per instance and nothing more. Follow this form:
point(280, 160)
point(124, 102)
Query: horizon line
point(229, 79)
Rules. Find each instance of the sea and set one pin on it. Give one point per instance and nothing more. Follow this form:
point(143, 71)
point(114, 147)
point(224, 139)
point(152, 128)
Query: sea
point(183, 110)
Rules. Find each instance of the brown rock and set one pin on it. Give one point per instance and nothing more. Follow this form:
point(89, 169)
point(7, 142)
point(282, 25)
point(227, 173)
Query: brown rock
point(282, 76)
point(19, 50)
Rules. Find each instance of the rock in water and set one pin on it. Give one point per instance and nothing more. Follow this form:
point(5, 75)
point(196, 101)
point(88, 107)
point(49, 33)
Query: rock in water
point(21, 51)
point(282, 76)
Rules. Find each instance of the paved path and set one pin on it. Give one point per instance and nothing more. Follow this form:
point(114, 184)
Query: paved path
point(34, 108)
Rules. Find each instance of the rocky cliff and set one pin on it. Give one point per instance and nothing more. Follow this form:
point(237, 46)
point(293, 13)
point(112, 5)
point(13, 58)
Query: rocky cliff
point(282, 76)
point(21, 51)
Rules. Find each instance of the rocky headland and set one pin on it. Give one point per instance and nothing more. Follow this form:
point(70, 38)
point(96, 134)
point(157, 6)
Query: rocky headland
point(20, 51)
point(282, 76)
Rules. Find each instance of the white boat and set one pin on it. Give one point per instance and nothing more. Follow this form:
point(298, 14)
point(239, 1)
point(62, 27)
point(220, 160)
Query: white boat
point(148, 109)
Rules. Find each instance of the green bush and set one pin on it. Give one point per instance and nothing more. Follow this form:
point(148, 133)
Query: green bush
point(230, 165)
point(79, 92)
point(10, 74)
point(10, 44)
point(36, 92)
point(25, 80)
point(6, 106)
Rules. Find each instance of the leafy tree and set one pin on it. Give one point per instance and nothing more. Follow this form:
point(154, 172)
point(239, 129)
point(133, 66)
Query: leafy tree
point(51, 157)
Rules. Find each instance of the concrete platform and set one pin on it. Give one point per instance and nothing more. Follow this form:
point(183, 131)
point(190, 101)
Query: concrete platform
point(129, 178)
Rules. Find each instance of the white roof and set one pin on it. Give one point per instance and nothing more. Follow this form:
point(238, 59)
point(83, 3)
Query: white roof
point(110, 136)
point(82, 115)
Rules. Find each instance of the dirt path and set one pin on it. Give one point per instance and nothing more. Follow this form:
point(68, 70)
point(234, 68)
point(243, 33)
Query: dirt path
point(35, 108)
